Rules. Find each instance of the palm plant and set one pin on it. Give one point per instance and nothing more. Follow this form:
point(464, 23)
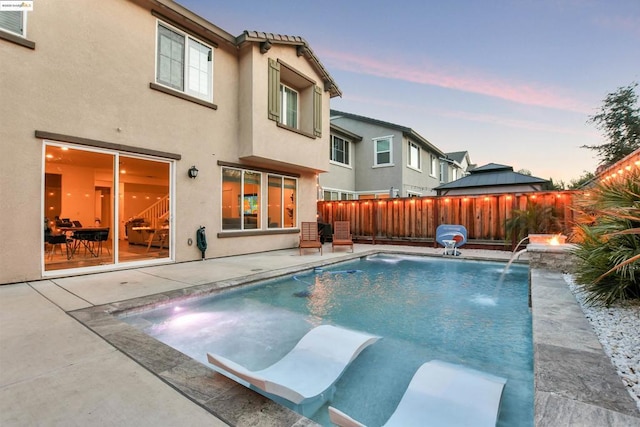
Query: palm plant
point(535, 218)
point(607, 240)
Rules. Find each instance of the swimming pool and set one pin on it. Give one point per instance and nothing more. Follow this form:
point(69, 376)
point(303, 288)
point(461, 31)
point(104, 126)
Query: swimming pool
point(424, 308)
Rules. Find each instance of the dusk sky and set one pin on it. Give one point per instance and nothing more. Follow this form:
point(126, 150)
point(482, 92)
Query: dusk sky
point(510, 81)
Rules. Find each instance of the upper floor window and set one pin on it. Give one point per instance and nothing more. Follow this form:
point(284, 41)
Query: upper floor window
point(413, 159)
point(382, 151)
point(184, 63)
point(289, 102)
point(294, 100)
point(339, 150)
point(434, 165)
point(443, 172)
point(454, 174)
point(14, 22)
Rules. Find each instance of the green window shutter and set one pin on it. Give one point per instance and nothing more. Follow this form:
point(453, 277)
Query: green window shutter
point(317, 111)
point(274, 90)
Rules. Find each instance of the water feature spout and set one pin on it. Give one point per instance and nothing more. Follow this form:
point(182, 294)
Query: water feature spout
point(520, 242)
point(514, 256)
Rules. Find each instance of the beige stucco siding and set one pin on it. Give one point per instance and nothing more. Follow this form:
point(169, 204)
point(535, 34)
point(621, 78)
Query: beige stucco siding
point(260, 138)
point(89, 77)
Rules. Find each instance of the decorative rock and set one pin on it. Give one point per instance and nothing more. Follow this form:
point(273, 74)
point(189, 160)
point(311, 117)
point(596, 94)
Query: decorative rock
point(617, 328)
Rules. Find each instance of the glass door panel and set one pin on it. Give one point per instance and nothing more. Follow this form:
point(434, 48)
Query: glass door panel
point(76, 231)
point(144, 207)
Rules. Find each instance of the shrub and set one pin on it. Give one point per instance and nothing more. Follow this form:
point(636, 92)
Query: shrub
point(536, 218)
point(607, 240)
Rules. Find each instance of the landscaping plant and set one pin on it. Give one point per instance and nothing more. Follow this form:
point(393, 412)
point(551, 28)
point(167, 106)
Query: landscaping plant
point(534, 219)
point(607, 238)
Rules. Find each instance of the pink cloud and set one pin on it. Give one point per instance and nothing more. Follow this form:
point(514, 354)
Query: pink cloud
point(474, 117)
point(625, 24)
point(522, 93)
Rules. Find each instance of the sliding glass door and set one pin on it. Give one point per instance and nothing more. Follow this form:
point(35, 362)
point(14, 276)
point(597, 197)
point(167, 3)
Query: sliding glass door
point(102, 207)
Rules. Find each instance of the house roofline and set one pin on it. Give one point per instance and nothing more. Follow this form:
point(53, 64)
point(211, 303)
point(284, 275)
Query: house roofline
point(181, 16)
point(405, 130)
point(303, 49)
point(186, 18)
point(344, 132)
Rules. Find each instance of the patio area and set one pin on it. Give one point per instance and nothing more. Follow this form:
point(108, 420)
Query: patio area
point(66, 360)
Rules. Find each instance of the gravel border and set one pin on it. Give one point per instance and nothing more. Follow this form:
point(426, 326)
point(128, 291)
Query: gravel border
point(618, 330)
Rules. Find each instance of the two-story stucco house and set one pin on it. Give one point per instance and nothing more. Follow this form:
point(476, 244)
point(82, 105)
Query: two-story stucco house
point(125, 126)
point(372, 158)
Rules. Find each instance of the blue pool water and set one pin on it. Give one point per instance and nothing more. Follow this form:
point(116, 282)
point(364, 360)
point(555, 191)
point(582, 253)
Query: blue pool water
point(459, 311)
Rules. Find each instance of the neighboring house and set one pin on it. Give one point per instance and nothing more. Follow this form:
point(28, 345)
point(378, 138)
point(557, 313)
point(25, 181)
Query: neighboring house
point(491, 179)
point(385, 159)
point(340, 181)
point(455, 165)
point(142, 117)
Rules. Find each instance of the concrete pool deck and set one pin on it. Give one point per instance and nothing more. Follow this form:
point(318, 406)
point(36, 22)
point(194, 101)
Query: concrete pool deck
point(65, 360)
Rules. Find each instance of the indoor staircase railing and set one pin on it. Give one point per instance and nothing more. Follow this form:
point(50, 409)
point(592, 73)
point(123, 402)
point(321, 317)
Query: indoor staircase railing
point(156, 213)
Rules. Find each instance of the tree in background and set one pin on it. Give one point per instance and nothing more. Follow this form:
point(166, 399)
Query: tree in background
point(551, 185)
point(619, 120)
point(585, 178)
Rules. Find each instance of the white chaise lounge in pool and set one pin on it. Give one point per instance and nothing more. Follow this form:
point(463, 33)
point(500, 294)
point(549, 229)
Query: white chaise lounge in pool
point(308, 372)
point(443, 394)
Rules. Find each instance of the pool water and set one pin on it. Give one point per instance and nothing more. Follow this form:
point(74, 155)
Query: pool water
point(458, 311)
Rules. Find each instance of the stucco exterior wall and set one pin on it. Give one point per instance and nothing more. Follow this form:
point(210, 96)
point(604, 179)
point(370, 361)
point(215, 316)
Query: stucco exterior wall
point(398, 175)
point(266, 141)
point(368, 177)
point(89, 77)
point(339, 177)
point(417, 181)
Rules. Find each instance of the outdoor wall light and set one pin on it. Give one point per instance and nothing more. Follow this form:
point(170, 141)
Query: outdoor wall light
point(193, 172)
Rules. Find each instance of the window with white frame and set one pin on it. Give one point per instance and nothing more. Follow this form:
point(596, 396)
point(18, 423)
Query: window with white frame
point(294, 100)
point(243, 200)
point(329, 195)
point(14, 22)
point(443, 172)
point(289, 99)
point(339, 150)
point(434, 165)
point(281, 202)
point(184, 63)
point(382, 151)
point(413, 158)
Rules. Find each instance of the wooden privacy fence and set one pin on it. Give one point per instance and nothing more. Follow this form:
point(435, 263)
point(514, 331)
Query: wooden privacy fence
point(414, 220)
